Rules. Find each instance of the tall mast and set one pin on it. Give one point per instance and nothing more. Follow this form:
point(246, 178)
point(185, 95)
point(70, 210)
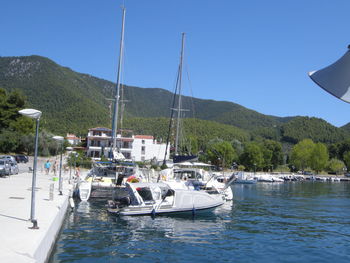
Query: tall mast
point(179, 99)
point(116, 99)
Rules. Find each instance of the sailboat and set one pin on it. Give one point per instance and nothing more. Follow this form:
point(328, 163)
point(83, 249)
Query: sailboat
point(104, 177)
point(189, 178)
point(163, 197)
point(177, 156)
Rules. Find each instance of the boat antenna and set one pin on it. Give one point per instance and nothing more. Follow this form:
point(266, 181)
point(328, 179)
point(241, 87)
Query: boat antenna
point(116, 101)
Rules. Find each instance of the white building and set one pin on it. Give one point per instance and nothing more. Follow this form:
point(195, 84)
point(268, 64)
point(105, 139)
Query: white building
point(133, 147)
point(72, 139)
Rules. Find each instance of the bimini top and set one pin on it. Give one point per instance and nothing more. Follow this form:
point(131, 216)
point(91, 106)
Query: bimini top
point(335, 78)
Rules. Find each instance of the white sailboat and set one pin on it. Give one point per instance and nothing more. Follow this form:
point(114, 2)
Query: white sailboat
point(178, 157)
point(103, 178)
point(194, 178)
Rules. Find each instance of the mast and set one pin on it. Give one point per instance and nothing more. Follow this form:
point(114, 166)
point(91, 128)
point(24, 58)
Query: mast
point(116, 99)
point(179, 99)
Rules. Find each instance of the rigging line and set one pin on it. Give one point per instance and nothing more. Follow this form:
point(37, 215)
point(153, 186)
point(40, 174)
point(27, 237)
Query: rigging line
point(191, 91)
point(171, 117)
point(192, 103)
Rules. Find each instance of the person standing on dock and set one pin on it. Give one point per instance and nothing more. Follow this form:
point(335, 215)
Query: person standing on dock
point(54, 168)
point(47, 167)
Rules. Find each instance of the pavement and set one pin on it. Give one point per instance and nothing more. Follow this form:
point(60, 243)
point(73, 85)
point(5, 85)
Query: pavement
point(19, 243)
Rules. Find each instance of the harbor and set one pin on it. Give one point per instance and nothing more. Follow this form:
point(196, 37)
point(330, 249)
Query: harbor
point(102, 159)
point(21, 243)
point(56, 216)
point(266, 222)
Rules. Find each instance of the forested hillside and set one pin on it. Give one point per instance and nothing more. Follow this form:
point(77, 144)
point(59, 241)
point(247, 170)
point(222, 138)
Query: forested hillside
point(74, 102)
point(315, 129)
point(70, 102)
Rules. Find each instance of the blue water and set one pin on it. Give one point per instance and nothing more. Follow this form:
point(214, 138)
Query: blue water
point(285, 222)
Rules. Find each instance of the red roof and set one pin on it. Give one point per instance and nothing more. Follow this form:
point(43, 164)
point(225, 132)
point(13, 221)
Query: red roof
point(72, 137)
point(144, 137)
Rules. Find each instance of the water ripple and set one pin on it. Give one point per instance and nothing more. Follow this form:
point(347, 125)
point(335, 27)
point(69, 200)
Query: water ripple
point(290, 222)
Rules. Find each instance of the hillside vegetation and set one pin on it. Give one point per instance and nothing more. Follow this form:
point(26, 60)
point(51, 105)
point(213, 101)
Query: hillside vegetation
point(74, 102)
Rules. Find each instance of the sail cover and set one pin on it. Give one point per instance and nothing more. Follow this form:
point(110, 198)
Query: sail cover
point(335, 78)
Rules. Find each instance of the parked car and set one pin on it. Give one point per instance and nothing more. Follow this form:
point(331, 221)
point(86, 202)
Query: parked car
point(347, 175)
point(5, 167)
point(8, 157)
point(14, 168)
point(20, 158)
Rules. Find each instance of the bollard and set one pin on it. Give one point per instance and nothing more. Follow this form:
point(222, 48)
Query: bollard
point(52, 187)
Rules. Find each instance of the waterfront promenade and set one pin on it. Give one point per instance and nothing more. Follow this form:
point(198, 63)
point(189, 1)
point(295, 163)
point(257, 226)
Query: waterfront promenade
point(19, 243)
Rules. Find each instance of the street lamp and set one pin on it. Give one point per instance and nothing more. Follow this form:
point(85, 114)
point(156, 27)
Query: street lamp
point(34, 114)
point(70, 167)
point(60, 139)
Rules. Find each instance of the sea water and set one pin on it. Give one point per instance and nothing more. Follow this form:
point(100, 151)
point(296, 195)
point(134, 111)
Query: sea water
point(266, 222)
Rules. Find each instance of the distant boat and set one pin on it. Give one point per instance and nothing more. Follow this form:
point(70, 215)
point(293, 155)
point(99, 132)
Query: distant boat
point(242, 178)
point(159, 198)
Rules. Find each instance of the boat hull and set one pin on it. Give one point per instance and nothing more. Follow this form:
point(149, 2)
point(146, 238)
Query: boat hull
point(149, 211)
point(183, 201)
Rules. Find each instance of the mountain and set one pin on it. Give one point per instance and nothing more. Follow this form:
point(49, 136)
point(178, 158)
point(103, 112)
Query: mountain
point(69, 101)
point(313, 128)
point(73, 102)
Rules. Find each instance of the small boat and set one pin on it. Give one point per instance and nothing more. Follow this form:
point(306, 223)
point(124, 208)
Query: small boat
point(242, 178)
point(160, 198)
point(84, 190)
point(245, 181)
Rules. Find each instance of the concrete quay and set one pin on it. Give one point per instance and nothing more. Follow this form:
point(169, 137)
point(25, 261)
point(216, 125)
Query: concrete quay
point(19, 243)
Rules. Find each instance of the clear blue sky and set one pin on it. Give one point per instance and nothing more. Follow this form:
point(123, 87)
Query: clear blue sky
point(251, 52)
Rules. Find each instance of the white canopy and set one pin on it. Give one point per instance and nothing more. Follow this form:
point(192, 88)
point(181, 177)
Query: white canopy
point(335, 78)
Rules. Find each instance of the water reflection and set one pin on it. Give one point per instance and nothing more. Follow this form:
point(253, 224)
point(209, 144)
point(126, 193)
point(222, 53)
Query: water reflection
point(285, 222)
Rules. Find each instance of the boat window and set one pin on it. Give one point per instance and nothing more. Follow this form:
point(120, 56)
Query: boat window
point(145, 193)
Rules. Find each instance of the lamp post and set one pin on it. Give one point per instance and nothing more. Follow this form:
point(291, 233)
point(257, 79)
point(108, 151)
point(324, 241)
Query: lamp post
point(70, 167)
point(60, 139)
point(34, 114)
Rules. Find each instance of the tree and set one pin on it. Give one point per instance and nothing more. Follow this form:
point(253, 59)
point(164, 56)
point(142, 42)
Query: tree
point(252, 156)
point(272, 152)
point(346, 158)
point(8, 141)
point(301, 154)
point(319, 157)
point(336, 166)
point(12, 125)
point(221, 153)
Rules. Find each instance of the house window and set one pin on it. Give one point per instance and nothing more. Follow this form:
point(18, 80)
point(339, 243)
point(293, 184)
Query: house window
point(142, 158)
point(143, 149)
point(143, 141)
